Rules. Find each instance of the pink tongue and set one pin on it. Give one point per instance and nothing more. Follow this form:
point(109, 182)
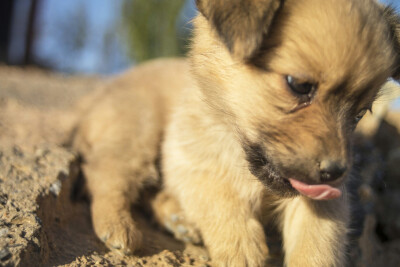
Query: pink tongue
point(317, 192)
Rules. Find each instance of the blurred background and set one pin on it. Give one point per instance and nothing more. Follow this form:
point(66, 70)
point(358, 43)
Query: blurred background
point(92, 36)
point(95, 36)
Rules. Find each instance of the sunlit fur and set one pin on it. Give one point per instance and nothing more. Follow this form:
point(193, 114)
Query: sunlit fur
point(231, 132)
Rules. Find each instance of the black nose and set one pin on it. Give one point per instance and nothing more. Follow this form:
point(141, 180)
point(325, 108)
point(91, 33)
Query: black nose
point(331, 170)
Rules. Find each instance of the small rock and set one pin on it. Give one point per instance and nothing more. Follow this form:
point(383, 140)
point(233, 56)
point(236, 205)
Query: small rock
point(3, 232)
point(55, 188)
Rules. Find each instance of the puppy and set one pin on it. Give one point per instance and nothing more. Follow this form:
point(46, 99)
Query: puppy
point(256, 125)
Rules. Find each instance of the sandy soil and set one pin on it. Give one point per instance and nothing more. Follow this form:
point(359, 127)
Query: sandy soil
point(44, 215)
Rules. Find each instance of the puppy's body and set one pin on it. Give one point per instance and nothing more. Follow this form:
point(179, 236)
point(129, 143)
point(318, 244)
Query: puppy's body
point(233, 133)
point(120, 137)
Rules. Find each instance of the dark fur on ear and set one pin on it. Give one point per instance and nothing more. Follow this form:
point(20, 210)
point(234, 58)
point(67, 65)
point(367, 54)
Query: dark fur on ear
point(241, 24)
point(393, 19)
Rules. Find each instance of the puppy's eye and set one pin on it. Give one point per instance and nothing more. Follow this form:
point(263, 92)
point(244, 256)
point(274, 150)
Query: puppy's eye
point(299, 87)
point(361, 114)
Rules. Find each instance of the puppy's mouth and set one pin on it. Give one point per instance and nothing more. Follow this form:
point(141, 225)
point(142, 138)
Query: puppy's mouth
point(317, 191)
point(278, 183)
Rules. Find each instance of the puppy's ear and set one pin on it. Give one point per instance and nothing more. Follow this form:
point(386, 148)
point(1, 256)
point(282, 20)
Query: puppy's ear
point(394, 24)
point(241, 24)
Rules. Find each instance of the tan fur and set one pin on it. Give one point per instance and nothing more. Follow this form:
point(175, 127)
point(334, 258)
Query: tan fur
point(119, 138)
point(233, 108)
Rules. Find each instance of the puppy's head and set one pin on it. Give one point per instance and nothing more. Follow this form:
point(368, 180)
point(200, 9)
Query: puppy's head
point(293, 78)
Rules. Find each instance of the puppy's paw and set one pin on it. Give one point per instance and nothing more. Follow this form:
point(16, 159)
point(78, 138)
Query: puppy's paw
point(118, 232)
point(170, 215)
point(182, 230)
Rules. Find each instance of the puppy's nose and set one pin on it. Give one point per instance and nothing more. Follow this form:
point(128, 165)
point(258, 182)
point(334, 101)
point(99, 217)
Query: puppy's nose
point(331, 170)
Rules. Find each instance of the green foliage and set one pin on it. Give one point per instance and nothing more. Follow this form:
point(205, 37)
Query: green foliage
point(151, 27)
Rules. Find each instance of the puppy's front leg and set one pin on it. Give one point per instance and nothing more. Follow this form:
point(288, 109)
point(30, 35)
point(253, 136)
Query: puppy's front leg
point(314, 232)
point(231, 232)
point(236, 241)
point(111, 196)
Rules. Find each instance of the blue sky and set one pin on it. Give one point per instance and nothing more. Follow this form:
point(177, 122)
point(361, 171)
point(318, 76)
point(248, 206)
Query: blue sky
point(395, 3)
point(97, 18)
point(102, 18)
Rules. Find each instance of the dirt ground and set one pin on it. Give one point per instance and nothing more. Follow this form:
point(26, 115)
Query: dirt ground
point(45, 219)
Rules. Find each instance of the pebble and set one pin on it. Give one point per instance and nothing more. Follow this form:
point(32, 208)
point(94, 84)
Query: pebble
point(55, 188)
point(3, 232)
